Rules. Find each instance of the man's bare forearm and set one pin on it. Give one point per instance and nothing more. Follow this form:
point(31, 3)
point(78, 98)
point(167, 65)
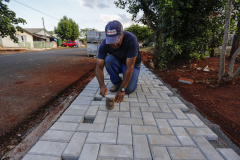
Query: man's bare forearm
point(100, 77)
point(127, 77)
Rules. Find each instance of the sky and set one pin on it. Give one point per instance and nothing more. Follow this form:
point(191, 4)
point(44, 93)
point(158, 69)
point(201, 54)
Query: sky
point(86, 13)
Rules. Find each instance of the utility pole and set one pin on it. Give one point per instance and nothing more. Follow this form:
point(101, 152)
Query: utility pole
point(44, 29)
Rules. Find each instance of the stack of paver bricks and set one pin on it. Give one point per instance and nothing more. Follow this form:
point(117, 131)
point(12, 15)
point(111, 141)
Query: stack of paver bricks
point(150, 123)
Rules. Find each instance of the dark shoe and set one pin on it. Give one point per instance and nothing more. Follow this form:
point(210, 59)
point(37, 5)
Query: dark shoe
point(114, 88)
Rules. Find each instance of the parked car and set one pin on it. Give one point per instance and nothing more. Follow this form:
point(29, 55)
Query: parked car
point(69, 44)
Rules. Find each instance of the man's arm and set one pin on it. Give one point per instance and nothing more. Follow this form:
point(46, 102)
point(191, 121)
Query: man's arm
point(100, 77)
point(126, 79)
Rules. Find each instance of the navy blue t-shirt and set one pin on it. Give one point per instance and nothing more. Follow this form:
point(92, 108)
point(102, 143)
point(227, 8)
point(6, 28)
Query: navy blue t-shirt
point(128, 49)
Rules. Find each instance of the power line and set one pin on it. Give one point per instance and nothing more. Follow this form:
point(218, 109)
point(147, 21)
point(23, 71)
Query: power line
point(36, 10)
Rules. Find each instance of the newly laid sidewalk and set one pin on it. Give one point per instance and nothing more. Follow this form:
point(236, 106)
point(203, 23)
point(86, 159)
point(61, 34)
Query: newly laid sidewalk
point(150, 123)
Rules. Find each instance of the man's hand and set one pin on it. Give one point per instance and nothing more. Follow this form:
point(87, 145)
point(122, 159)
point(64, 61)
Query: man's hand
point(119, 96)
point(103, 91)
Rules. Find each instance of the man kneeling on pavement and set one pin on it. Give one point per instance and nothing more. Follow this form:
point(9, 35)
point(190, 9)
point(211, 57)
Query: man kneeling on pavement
point(119, 53)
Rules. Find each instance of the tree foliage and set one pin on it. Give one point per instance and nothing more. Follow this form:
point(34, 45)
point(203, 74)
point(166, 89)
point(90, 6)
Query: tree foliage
point(67, 29)
point(182, 28)
point(142, 32)
point(9, 22)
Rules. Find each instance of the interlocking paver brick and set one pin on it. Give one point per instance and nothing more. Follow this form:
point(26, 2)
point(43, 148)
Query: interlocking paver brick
point(208, 150)
point(75, 112)
point(57, 136)
point(40, 157)
point(90, 127)
point(141, 147)
point(179, 114)
point(163, 140)
point(91, 112)
point(48, 148)
point(141, 98)
point(195, 120)
point(176, 100)
point(183, 107)
point(164, 116)
point(130, 99)
point(101, 117)
point(102, 138)
point(138, 104)
point(150, 109)
point(206, 132)
point(64, 126)
point(130, 121)
point(153, 97)
point(80, 101)
point(116, 151)
point(124, 135)
point(111, 125)
point(84, 98)
point(78, 106)
point(228, 153)
point(148, 118)
point(164, 96)
point(71, 118)
point(164, 127)
point(93, 103)
point(74, 147)
point(124, 107)
point(180, 123)
point(145, 129)
point(186, 153)
point(160, 153)
point(135, 112)
point(165, 108)
point(152, 103)
point(164, 101)
point(89, 152)
point(183, 137)
point(119, 114)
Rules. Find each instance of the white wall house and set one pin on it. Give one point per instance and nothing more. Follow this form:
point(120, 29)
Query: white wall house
point(25, 40)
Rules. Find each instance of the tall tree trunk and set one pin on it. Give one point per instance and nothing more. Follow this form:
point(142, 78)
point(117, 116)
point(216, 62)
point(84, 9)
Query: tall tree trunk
point(225, 40)
point(236, 41)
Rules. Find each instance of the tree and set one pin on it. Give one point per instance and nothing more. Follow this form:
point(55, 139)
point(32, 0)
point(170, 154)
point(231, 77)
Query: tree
point(67, 29)
point(223, 75)
point(9, 22)
point(142, 32)
point(181, 27)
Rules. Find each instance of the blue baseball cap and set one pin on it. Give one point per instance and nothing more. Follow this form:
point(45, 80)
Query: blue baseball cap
point(113, 31)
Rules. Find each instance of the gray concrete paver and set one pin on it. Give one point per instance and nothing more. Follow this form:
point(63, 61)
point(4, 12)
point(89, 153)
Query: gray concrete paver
point(150, 123)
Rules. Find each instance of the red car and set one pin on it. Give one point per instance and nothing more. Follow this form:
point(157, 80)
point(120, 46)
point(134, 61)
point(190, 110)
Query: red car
point(69, 44)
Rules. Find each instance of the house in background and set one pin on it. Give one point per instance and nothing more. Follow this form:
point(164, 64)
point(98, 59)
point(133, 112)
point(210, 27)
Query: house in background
point(40, 34)
point(30, 38)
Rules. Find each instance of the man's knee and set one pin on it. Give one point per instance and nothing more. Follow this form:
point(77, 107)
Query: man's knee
point(130, 89)
point(109, 58)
